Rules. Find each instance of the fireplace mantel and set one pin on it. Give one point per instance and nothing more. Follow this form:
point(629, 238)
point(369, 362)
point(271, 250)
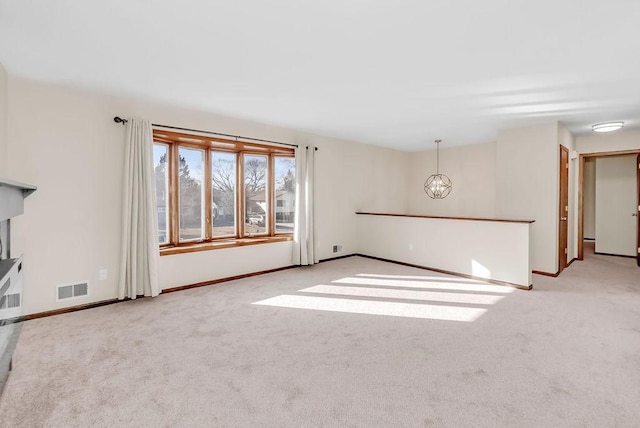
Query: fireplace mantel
point(12, 194)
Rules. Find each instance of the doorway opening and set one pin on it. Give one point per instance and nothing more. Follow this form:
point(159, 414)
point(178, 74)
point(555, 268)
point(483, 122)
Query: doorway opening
point(609, 204)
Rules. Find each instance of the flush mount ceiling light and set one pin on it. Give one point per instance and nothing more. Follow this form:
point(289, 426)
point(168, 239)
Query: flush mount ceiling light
point(607, 126)
point(437, 186)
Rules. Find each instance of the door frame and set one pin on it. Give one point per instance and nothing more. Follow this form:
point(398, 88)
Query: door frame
point(582, 158)
point(638, 211)
point(563, 208)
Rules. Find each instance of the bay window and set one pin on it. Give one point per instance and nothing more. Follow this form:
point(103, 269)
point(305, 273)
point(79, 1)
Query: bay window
point(214, 193)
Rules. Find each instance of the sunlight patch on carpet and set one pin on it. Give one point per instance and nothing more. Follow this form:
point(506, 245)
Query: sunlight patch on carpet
point(443, 284)
point(395, 309)
point(423, 278)
point(386, 293)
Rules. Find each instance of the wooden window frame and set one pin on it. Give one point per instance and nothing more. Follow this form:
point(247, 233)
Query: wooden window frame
point(236, 226)
point(175, 140)
point(168, 200)
point(268, 195)
point(274, 199)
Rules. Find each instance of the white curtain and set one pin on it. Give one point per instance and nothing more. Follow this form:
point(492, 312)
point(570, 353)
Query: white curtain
point(305, 229)
point(140, 255)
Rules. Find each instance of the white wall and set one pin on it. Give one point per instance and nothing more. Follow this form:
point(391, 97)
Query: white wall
point(483, 249)
point(472, 169)
point(192, 268)
point(355, 177)
point(515, 177)
point(3, 122)
point(527, 187)
point(616, 201)
point(625, 139)
point(589, 198)
point(65, 142)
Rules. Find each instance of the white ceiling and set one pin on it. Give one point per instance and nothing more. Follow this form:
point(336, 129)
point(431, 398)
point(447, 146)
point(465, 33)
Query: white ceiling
point(392, 73)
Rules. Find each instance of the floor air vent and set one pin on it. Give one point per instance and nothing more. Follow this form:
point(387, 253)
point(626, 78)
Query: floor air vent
point(73, 290)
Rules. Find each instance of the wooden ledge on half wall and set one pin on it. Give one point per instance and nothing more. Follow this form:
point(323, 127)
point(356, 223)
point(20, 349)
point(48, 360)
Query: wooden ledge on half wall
point(502, 220)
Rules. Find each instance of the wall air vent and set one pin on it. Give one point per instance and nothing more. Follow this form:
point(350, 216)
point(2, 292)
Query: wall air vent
point(73, 290)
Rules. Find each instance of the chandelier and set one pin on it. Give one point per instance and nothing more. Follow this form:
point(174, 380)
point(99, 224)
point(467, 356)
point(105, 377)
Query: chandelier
point(437, 186)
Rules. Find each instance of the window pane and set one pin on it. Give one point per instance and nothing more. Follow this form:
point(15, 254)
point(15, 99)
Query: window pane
point(255, 194)
point(191, 172)
point(223, 176)
point(162, 190)
point(285, 172)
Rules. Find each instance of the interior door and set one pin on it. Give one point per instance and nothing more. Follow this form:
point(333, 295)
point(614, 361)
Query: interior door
point(616, 205)
point(638, 210)
point(564, 209)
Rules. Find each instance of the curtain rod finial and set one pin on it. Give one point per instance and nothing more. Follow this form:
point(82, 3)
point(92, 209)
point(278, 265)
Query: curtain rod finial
point(118, 119)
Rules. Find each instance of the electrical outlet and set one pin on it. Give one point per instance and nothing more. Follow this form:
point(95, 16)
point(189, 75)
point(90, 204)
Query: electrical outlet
point(337, 248)
point(102, 274)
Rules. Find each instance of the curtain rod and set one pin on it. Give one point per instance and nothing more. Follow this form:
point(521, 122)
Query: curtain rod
point(118, 119)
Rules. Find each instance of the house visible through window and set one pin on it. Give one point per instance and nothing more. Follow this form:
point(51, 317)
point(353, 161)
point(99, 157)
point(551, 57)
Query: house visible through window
point(216, 190)
point(285, 170)
point(162, 190)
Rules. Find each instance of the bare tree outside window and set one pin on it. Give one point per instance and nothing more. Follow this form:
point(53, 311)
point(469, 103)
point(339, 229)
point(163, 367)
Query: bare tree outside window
point(190, 193)
point(214, 193)
point(223, 176)
point(255, 194)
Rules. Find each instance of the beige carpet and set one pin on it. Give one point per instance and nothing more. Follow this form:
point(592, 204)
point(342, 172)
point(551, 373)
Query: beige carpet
point(566, 354)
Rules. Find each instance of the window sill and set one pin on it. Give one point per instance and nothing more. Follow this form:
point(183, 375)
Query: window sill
point(222, 243)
